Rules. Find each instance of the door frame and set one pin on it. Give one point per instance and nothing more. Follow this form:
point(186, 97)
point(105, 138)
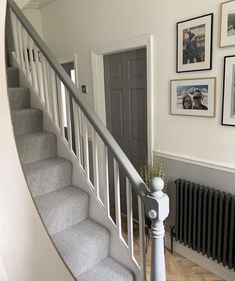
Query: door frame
point(97, 64)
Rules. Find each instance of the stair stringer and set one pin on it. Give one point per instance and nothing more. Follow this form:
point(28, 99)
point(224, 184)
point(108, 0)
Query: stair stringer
point(118, 249)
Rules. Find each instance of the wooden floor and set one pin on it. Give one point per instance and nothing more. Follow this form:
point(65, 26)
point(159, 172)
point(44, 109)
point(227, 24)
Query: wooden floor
point(178, 268)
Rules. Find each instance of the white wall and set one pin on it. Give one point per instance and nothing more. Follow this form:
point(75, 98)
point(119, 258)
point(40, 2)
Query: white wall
point(25, 248)
point(78, 26)
point(22, 3)
point(34, 16)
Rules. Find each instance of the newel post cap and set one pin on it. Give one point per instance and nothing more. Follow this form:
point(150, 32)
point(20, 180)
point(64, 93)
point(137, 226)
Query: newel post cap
point(157, 185)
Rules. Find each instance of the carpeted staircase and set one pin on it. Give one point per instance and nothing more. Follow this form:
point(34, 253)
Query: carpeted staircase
point(82, 242)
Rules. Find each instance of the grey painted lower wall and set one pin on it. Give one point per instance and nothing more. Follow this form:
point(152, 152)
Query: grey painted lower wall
point(215, 178)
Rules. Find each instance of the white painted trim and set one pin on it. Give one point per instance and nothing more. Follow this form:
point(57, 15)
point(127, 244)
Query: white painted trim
point(3, 274)
point(203, 261)
point(186, 158)
point(98, 77)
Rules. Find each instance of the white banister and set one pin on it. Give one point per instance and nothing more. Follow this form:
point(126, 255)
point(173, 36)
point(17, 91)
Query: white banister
point(129, 218)
point(25, 52)
point(15, 36)
point(95, 163)
point(158, 268)
point(142, 238)
point(69, 109)
point(106, 182)
point(54, 97)
point(38, 72)
point(68, 117)
point(60, 105)
point(117, 198)
point(45, 85)
point(32, 65)
point(19, 34)
point(86, 147)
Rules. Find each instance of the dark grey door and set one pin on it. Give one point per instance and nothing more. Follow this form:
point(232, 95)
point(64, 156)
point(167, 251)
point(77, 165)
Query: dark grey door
point(126, 103)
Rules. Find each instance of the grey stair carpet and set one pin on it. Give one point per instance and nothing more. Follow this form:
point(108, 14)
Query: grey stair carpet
point(19, 98)
point(82, 242)
point(62, 208)
point(26, 120)
point(36, 146)
point(48, 175)
point(12, 77)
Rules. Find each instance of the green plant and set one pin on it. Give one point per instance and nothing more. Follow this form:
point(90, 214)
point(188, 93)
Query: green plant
point(154, 168)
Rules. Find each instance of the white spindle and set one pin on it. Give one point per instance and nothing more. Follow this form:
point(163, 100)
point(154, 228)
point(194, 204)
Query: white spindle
point(15, 36)
point(77, 132)
point(68, 115)
point(38, 73)
point(54, 97)
point(33, 65)
point(142, 238)
point(117, 197)
point(60, 104)
point(76, 70)
point(106, 181)
point(129, 218)
point(95, 162)
point(49, 89)
point(19, 34)
point(86, 147)
point(25, 50)
point(45, 83)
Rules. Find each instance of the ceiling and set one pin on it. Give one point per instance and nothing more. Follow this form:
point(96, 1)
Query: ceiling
point(37, 4)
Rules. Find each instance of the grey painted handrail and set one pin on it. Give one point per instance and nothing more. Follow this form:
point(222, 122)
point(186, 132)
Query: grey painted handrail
point(138, 184)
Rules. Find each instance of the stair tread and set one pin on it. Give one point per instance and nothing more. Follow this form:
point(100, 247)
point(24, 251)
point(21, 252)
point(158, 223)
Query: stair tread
point(83, 245)
point(48, 175)
point(63, 208)
point(107, 270)
point(27, 120)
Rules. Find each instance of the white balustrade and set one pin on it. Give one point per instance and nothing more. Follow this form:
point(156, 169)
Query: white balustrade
point(66, 112)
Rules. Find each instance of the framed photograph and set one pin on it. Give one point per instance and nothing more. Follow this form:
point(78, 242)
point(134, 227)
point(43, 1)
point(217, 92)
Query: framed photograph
point(228, 110)
point(194, 44)
point(227, 24)
point(195, 97)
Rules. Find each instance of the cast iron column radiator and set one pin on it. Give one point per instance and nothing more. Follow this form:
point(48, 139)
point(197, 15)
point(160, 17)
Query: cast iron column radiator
point(205, 221)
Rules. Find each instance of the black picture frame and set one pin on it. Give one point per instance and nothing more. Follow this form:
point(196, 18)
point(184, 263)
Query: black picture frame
point(194, 44)
point(228, 99)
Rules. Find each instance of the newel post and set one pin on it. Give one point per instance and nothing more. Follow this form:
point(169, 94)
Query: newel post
point(158, 213)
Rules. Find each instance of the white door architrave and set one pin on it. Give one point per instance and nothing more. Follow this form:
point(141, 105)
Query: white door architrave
point(97, 63)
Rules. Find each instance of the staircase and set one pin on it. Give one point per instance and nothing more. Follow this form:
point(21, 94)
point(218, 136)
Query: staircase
point(82, 242)
point(91, 251)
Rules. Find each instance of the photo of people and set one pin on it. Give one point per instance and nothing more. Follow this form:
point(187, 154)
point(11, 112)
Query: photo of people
point(231, 24)
point(192, 97)
point(194, 44)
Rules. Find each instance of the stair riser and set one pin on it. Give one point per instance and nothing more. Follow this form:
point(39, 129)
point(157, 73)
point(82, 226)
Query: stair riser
point(12, 77)
point(36, 148)
point(63, 208)
point(27, 121)
point(47, 180)
point(19, 98)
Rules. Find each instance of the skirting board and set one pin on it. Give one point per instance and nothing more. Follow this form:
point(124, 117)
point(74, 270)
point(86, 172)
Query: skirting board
point(208, 264)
